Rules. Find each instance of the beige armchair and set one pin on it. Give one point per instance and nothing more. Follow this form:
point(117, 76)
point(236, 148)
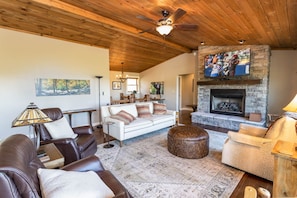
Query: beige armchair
point(250, 148)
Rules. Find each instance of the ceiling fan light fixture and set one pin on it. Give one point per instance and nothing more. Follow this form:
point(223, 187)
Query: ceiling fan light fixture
point(164, 29)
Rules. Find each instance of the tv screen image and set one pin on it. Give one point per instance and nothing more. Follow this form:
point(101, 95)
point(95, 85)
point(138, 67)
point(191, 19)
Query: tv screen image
point(227, 64)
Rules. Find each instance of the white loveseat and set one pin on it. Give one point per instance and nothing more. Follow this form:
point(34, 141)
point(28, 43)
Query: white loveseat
point(139, 126)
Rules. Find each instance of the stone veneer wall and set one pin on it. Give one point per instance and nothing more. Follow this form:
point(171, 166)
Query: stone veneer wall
point(256, 95)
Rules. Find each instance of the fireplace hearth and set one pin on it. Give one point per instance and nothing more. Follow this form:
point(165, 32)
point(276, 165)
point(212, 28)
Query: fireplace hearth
point(227, 101)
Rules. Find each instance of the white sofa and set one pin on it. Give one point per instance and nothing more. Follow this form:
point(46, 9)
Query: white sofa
point(250, 148)
point(137, 127)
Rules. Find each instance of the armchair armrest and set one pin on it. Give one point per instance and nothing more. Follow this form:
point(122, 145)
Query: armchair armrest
point(82, 130)
point(256, 131)
point(248, 139)
point(91, 163)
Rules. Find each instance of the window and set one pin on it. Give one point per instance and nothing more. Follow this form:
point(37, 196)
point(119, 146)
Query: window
point(132, 85)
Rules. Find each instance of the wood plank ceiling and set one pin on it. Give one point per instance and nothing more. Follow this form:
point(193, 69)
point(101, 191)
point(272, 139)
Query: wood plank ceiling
point(114, 24)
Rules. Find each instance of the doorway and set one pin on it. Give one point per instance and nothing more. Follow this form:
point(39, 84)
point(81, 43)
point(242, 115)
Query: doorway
point(185, 90)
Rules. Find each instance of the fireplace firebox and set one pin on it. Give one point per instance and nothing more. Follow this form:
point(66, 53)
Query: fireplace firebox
point(227, 101)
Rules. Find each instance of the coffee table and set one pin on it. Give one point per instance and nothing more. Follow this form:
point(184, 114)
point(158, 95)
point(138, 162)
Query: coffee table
point(188, 141)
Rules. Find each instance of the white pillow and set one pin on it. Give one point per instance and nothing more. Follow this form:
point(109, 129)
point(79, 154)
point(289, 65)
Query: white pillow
point(72, 184)
point(60, 129)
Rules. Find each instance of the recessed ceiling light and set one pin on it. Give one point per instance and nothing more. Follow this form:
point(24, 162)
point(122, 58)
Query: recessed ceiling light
point(241, 42)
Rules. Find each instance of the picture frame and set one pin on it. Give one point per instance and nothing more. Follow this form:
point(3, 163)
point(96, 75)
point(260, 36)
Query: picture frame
point(157, 88)
point(61, 87)
point(116, 85)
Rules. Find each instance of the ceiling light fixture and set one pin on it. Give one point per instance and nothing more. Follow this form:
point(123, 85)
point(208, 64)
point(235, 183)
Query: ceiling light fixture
point(241, 42)
point(121, 76)
point(164, 29)
point(202, 43)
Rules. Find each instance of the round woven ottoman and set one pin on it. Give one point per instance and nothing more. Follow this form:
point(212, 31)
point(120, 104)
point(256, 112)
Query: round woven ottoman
point(188, 141)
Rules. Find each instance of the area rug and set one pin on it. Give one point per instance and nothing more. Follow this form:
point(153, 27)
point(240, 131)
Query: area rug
point(146, 168)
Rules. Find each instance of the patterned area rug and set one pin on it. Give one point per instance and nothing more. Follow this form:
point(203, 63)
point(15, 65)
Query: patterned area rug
point(146, 168)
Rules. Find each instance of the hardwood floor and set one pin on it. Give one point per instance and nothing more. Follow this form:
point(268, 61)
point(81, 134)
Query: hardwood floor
point(247, 179)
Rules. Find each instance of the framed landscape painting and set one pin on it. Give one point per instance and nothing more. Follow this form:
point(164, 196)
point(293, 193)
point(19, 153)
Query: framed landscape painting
point(61, 87)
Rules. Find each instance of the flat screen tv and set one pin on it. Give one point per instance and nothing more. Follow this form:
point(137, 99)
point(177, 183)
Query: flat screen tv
point(227, 64)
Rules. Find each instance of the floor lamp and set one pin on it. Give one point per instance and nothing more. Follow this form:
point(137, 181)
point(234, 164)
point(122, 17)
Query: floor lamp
point(100, 124)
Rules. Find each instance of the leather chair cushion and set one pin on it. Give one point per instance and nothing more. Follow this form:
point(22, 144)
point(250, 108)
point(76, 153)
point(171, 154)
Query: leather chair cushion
point(7, 187)
point(52, 113)
point(84, 141)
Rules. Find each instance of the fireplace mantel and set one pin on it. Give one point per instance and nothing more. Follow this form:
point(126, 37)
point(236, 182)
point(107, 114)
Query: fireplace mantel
point(230, 82)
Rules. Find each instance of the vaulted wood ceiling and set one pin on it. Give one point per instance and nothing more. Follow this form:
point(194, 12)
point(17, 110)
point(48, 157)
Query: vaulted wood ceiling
point(114, 24)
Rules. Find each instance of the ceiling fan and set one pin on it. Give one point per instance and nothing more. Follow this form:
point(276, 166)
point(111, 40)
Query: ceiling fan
point(167, 23)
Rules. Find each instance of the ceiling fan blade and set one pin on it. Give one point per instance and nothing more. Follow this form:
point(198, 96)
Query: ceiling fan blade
point(176, 15)
point(146, 19)
point(186, 27)
point(147, 30)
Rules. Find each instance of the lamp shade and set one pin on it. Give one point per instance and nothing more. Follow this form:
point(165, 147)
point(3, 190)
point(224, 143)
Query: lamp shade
point(31, 115)
point(164, 29)
point(292, 106)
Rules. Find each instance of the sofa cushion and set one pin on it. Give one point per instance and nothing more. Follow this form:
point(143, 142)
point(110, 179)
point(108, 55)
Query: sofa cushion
point(156, 119)
point(130, 108)
point(60, 129)
point(160, 109)
point(65, 184)
point(123, 116)
point(138, 124)
point(143, 111)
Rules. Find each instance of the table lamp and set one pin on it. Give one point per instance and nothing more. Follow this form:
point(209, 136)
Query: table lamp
point(292, 106)
point(31, 116)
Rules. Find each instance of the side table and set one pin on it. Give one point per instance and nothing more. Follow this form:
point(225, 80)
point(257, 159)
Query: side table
point(88, 110)
point(285, 169)
point(108, 145)
point(56, 158)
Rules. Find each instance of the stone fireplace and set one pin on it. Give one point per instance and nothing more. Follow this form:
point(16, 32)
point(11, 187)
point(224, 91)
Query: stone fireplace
point(227, 101)
point(253, 97)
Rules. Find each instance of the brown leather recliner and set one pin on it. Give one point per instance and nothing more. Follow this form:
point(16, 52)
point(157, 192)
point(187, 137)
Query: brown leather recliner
point(19, 164)
point(82, 146)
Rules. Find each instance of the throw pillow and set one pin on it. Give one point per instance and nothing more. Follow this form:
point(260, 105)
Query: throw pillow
point(60, 129)
point(123, 116)
point(71, 184)
point(160, 109)
point(130, 108)
point(143, 111)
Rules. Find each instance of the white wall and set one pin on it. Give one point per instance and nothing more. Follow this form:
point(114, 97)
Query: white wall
point(168, 72)
point(283, 79)
point(115, 94)
point(25, 57)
